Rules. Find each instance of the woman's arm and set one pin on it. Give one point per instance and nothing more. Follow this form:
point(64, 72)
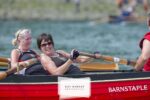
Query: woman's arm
point(14, 58)
point(145, 55)
point(80, 59)
point(83, 59)
point(50, 66)
point(63, 53)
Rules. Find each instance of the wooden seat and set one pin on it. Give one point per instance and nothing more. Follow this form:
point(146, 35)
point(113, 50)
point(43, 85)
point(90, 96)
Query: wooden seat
point(98, 66)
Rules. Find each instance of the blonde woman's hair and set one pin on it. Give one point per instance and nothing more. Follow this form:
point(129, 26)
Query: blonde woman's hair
point(18, 34)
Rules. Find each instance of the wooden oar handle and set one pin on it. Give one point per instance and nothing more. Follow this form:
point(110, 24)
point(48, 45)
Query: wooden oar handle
point(110, 58)
point(131, 63)
point(3, 59)
point(3, 64)
point(10, 71)
point(3, 75)
point(87, 54)
point(21, 65)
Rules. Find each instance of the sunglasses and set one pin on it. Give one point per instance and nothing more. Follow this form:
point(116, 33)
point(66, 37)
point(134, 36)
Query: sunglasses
point(45, 44)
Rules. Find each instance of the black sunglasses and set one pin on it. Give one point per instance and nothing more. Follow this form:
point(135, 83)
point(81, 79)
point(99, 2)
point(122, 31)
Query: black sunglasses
point(45, 44)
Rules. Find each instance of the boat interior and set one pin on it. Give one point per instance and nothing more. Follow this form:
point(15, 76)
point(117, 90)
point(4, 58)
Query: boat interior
point(94, 76)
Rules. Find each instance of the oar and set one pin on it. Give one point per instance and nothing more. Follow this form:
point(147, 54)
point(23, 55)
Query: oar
point(3, 59)
point(3, 64)
point(96, 66)
point(110, 58)
point(20, 66)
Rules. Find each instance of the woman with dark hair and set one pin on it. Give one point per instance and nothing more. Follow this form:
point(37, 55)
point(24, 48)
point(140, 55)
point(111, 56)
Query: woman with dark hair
point(58, 62)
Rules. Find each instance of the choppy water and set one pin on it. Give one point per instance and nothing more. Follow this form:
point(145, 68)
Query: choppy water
point(119, 40)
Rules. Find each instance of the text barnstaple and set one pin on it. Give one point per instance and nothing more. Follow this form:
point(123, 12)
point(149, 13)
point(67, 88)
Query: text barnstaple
point(128, 88)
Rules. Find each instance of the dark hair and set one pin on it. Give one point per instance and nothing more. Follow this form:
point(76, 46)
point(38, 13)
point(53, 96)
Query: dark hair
point(46, 37)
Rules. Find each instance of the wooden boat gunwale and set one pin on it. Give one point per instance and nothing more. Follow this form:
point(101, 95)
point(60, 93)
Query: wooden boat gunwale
point(95, 77)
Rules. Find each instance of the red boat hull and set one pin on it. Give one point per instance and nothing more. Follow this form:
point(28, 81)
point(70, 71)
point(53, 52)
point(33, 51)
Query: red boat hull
point(119, 89)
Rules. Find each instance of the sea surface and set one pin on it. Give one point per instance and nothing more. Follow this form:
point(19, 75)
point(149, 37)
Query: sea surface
point(119, 40)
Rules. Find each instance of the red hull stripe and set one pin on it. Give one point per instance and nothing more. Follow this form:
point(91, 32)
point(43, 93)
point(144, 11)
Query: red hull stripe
point(105, 90)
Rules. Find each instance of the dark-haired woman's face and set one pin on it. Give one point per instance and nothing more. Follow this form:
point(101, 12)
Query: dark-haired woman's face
point(47, 47)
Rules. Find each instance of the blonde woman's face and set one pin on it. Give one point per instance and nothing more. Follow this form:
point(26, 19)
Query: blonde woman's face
point(26, 40)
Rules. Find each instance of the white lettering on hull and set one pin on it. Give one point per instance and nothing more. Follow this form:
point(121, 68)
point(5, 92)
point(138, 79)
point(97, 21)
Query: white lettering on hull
point(128, 88)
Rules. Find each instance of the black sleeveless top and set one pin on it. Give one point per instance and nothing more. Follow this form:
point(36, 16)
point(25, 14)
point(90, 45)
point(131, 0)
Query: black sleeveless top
point(72, 68)
point(26, 55)
point(37, 69)
point(34, 69)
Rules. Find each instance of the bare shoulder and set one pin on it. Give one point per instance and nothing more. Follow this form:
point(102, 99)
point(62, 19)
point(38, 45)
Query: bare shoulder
point(44, 57)
point(15, 51)
point(146, 42)
point(63, 53)
point(46, 60)
point(15, 55)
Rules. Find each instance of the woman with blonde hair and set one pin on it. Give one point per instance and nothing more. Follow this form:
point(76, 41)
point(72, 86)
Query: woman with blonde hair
point(22, 51)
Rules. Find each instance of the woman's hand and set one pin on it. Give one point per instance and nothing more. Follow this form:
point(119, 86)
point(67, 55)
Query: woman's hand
point(74, 54)
point(97, 54)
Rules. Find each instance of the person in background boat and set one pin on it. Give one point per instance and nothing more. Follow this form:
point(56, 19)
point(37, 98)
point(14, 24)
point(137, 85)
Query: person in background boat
point(145, 4)
point(58, 62)
point(126, 11)
point(22, 52)
point(143, 62)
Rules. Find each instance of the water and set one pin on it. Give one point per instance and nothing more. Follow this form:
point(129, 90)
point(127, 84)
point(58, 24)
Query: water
point(119, 40)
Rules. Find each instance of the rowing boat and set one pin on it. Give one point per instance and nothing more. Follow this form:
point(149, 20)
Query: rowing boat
point(104, 86)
